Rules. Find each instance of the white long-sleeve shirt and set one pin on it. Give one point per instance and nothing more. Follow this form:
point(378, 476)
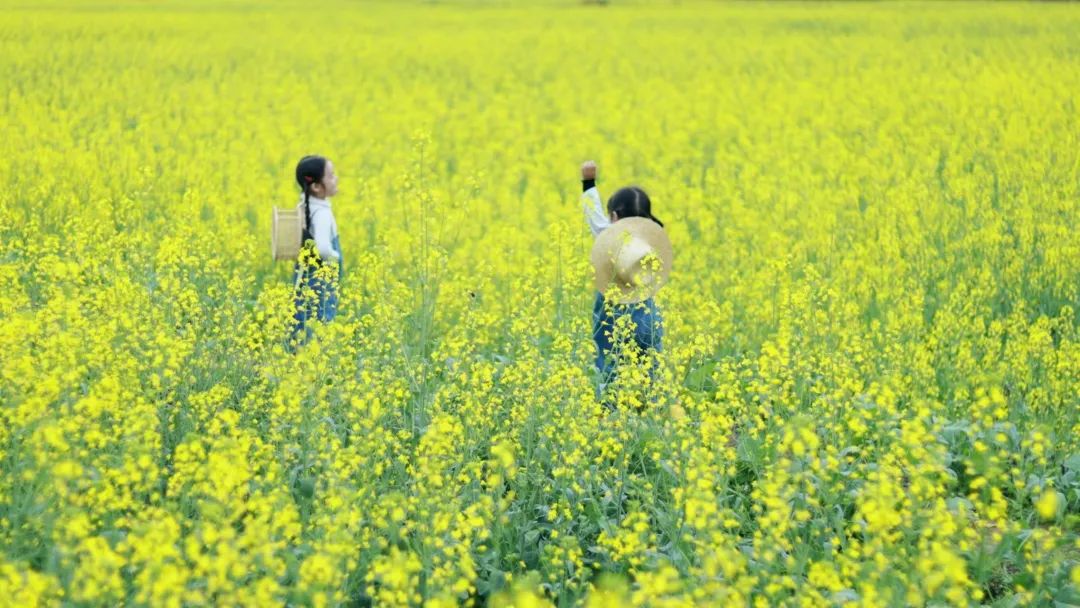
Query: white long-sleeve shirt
point(594, 211)
point(323, 227)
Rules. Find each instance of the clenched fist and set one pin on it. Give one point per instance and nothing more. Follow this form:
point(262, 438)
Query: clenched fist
point(588, 170)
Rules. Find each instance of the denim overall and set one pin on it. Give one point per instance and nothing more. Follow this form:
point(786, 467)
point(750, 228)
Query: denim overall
point(323, 306)
point(647, 327)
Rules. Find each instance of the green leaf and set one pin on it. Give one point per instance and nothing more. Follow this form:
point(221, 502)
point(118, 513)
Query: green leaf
point(1073, 463)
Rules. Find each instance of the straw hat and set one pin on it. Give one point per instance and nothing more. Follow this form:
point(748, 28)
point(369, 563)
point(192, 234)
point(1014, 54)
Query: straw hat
point(632, 259)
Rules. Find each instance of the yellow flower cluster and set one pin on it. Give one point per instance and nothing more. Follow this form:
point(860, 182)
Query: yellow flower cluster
point(868, 390)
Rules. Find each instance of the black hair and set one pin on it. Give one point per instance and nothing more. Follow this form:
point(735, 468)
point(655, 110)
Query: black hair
point(309, 171)
point(631, 202)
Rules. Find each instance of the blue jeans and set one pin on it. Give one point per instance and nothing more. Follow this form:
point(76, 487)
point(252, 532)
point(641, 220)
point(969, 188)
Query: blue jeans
point(614, 338)
point(322, 304)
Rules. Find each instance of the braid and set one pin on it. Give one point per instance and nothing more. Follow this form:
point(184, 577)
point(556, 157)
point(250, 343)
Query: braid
point(309, 170)
point(308, 228)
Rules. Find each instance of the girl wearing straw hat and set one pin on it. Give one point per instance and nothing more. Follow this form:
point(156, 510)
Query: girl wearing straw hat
point(632, 260)
point(319, 266)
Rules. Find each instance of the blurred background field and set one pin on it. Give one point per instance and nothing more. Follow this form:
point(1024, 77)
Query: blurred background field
point(872, 366)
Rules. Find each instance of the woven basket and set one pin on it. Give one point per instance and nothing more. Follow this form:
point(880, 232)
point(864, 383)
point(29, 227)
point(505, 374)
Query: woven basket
point(285, 233)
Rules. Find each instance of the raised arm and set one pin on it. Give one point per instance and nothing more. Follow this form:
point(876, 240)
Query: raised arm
point(590, 199)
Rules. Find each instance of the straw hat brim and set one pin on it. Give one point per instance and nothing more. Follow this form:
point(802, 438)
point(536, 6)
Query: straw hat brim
point(632, 260)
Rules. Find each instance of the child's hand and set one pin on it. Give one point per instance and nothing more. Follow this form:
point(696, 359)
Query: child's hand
point(588, 170)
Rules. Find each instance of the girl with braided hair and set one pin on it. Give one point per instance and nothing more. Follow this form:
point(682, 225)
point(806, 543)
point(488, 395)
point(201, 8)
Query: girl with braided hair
point(318, 269)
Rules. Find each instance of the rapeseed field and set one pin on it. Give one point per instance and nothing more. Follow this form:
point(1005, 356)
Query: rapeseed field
point(870, 382)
